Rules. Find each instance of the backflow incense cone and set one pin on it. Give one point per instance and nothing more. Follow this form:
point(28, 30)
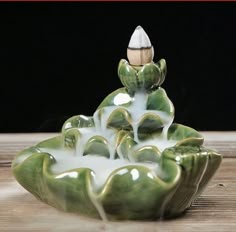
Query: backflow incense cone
point(140, 51)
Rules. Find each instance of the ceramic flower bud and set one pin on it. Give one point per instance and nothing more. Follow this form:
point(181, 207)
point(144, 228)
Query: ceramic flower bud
point(127, 161)
point(145, 77)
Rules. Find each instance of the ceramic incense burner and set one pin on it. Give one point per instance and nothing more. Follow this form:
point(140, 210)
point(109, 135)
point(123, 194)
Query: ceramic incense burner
point(127, 161)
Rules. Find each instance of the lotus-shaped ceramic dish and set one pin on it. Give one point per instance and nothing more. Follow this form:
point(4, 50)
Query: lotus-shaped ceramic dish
point(128, 161)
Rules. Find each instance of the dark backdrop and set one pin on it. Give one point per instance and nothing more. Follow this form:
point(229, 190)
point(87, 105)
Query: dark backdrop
point(60, 59)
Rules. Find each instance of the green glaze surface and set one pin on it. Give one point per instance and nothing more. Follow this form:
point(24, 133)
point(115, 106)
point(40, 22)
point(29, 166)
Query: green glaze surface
point(133, 191)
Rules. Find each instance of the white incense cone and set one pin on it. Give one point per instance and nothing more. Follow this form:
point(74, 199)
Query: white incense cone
point(140, 50)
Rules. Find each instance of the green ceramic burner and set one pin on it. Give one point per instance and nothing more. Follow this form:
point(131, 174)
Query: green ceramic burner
point(129, 160)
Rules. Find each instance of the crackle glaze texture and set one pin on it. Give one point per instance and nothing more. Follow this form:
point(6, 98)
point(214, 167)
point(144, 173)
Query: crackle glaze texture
point(127, 161)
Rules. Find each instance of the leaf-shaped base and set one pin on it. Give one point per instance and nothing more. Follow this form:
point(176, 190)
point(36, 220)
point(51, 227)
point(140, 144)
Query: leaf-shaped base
point(130, 192)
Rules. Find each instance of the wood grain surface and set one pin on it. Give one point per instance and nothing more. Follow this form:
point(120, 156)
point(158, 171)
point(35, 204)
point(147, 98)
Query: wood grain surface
point(214, 210)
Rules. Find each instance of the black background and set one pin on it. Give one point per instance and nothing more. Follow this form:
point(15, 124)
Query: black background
point(60, 59)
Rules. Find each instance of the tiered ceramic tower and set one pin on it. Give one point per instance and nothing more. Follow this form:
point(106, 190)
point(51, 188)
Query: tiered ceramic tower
point(127, 161)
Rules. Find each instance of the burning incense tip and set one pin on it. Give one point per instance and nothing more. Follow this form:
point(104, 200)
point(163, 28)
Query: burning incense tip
point(140, 50)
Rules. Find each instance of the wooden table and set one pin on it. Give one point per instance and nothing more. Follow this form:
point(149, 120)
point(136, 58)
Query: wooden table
point(214, 210)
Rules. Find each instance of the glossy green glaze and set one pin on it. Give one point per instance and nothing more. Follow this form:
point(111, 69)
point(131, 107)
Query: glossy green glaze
point(184, 172)
point(134, 124)
point(141, 77)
